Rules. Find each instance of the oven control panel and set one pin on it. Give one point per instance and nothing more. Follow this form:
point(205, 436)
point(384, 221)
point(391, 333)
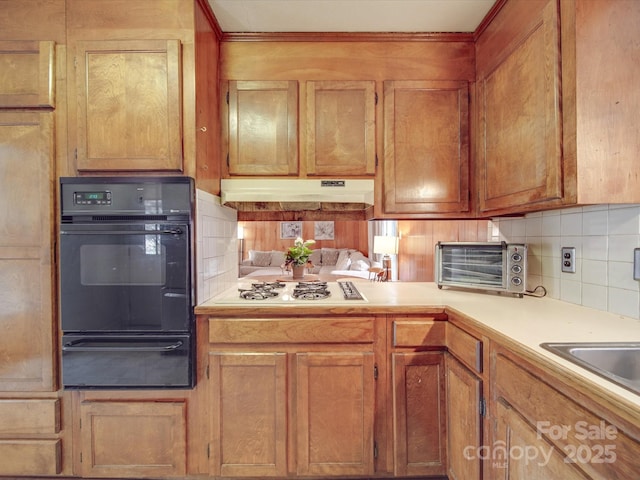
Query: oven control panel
point(109, 196)
point(92, 198)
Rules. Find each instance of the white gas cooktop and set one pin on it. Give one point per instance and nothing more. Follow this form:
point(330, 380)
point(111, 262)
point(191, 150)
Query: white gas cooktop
point(279, 293)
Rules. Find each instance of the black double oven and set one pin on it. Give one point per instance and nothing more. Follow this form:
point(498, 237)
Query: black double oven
point(126, 282)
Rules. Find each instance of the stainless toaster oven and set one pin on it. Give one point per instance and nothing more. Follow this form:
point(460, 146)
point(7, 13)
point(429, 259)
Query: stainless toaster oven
point(492, 266)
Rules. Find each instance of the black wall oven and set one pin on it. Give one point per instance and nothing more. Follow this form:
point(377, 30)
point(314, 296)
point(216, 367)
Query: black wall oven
point(126, 282)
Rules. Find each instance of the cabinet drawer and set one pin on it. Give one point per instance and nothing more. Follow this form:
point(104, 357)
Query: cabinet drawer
point(18, 416)
point(30, 457)
point(294, 330)
point(465, 347)
point(418, 333)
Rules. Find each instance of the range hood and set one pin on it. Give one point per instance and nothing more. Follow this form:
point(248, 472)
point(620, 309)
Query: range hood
point(270, 194)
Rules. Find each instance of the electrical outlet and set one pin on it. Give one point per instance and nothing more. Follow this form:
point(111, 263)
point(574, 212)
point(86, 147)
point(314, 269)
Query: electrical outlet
point(636, 263)
point(568, 259)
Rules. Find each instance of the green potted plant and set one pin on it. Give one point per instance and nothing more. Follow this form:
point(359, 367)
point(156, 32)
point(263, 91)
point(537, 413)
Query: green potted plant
point(297, 258)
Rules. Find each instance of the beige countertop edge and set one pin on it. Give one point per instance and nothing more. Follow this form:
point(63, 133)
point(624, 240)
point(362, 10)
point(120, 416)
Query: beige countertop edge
point(527, 322)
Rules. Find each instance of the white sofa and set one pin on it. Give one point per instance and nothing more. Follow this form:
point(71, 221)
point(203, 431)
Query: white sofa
point(333, 261)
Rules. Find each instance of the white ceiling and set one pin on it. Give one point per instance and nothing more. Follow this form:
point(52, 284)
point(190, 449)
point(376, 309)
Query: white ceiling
point(350, 15)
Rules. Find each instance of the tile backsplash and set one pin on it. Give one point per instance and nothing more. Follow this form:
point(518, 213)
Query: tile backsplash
point(604, 237)
point(216, 246)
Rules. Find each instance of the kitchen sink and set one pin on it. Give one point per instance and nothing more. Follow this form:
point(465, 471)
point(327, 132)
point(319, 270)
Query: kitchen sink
point(618, 362)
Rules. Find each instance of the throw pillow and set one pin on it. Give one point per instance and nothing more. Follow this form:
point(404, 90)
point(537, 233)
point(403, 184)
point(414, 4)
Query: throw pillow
point(316, 257)
point(277, 258)
point(329, 256)
point(261, 259)
point(343, 260)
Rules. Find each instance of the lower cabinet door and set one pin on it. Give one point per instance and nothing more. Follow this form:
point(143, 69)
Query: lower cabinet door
point(249, 414)
point(133, 439)
point(520, 453)
point(464, 422)
point(334, 414)
point(419, 414)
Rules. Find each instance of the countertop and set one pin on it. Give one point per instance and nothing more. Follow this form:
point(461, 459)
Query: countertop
point(528, 321)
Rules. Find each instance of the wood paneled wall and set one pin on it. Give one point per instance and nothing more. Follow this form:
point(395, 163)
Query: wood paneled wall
point(417, 243)
point(266, 236)
point(418, 240)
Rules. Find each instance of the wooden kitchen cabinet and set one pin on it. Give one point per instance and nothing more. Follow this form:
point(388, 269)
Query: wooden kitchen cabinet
point(141, 90)
point(291, 396)
point(426, 148)
point(464, 367)
point(514, 434)
point(334, 413)
point(27, 74)
point(31, 430)
point(133, 439)
point(262, 128)
point(333, 406)
point(464, 421)
point(26, 252)
point(249, 414)
point(520, 141)
point(28, 437)
point(129, 103)
point(417, 392)
point(557, 106)
point(419, 413)
point(564, 434)
point(341, 128)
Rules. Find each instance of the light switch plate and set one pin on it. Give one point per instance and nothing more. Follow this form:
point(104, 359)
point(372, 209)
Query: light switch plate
point(568, 259)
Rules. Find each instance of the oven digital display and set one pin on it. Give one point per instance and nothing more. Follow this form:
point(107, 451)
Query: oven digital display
point(92, 198)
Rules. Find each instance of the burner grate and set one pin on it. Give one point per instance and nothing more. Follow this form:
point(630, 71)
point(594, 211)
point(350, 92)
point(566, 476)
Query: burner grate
point(261, 290)
point(311, 291)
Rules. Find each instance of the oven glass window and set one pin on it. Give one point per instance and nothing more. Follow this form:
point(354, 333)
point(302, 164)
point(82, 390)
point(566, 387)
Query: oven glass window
point(131, 278)
point(124, 264)
point(473, 265)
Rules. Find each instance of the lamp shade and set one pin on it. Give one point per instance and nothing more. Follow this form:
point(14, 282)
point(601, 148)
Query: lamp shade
point(385, 245)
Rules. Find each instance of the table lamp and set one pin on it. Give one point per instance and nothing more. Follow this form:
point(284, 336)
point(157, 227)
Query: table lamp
point(386, 246)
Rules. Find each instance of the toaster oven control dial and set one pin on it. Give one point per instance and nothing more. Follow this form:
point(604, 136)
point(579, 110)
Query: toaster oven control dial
point(516, 281)
point(516, 269)
point(516, 257)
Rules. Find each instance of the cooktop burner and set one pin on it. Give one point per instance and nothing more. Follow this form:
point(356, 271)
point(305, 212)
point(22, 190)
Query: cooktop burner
point(311, 290)
point(261, 290)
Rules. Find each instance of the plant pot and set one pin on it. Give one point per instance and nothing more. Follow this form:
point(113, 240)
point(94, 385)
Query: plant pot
point(298, 271)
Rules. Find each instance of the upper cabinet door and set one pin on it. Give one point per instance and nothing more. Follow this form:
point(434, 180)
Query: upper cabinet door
point(426, 147)
point(263, 128)
point(27, 75)
point(129, 105)
point(520, 126)
point(341, 137)
point(27, 321)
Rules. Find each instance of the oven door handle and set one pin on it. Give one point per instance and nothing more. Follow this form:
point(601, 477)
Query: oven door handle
point(85, 346)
